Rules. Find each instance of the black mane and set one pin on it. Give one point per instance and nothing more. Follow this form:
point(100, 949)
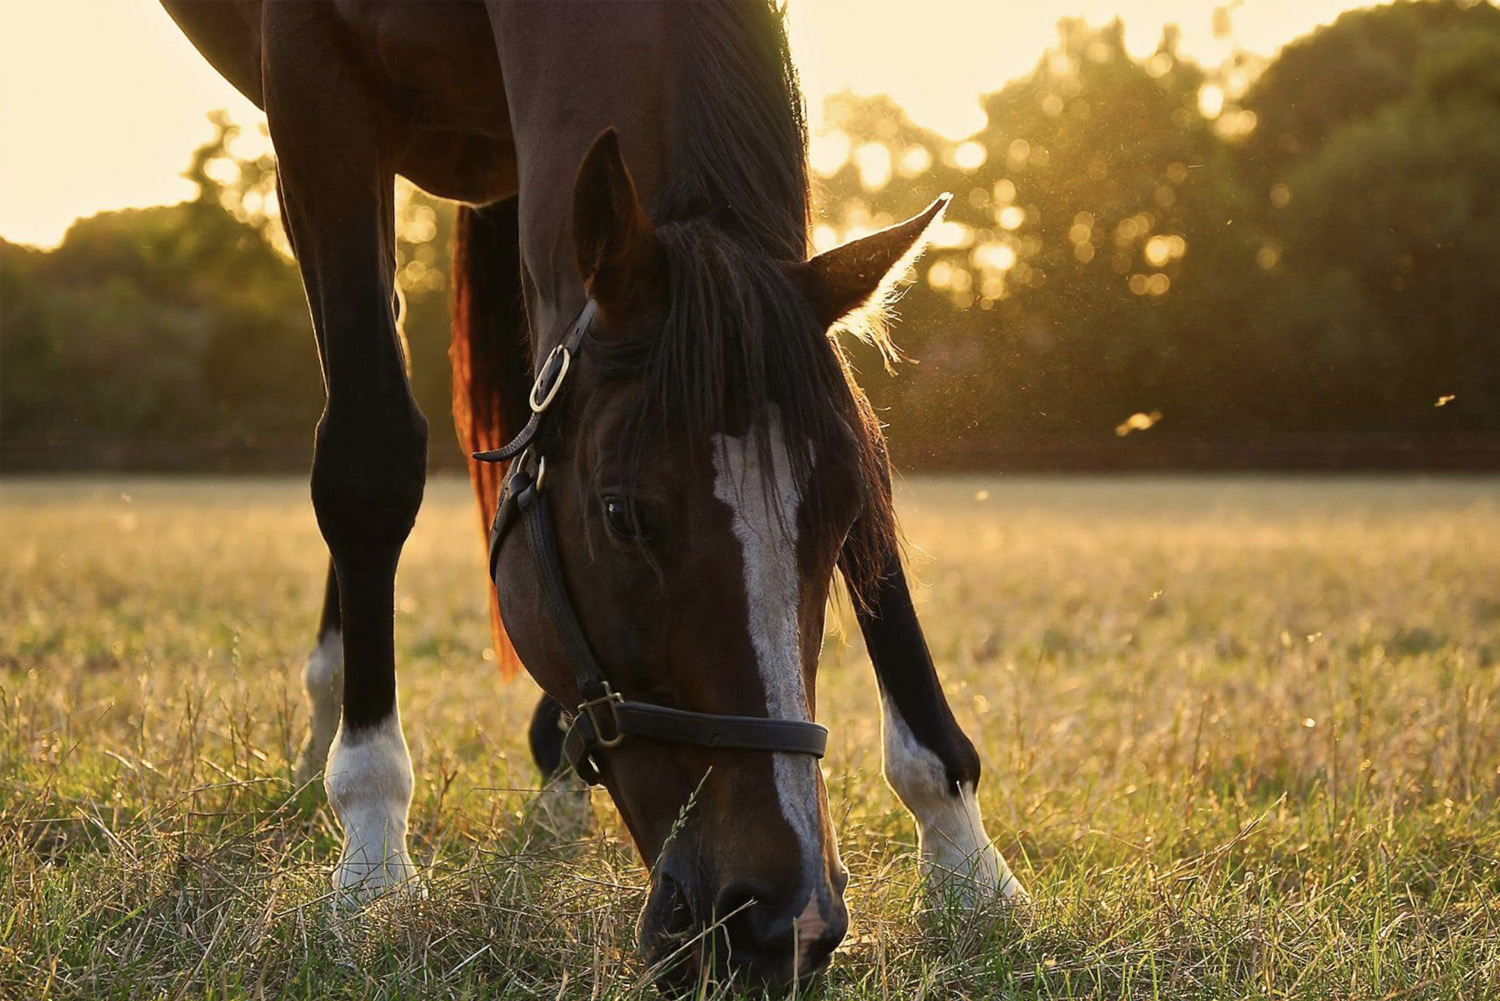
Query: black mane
point(739, 149)
point(732, 217)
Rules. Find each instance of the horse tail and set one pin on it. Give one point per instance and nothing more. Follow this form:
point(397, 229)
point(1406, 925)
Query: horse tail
point(491, 361)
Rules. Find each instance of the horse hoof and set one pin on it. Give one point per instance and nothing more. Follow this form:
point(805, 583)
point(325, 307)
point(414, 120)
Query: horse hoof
point(356, 885)
point(975, 883)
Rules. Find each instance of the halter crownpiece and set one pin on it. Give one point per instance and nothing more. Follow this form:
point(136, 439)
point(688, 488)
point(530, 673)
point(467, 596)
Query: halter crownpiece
point(604, 719)
point(550, 377)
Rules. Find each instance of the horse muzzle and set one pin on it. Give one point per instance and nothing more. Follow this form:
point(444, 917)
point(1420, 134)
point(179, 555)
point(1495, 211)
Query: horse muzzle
point(756, 936)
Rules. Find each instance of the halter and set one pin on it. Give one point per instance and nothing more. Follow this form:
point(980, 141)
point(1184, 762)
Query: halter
point(604, 718)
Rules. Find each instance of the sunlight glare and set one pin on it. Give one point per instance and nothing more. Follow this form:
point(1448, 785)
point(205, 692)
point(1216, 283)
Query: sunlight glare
point(105, 118)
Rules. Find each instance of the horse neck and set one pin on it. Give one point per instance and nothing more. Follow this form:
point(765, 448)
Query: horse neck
point(618, 75)
point(628, 64)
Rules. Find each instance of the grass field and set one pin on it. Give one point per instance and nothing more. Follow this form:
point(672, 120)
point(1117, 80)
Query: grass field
point(1241, 739)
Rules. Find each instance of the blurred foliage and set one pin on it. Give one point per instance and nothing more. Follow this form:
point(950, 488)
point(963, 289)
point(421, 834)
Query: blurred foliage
point(1388, 229)
point(1310, 251)
point(1229, 252)
point(178, 337)
point(176, 324)
point(1081, 265)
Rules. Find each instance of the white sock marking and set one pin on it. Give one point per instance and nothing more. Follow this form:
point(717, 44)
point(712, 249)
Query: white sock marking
point(323, 681)
point(766, 527)
point(957, 855)
point(369, 785)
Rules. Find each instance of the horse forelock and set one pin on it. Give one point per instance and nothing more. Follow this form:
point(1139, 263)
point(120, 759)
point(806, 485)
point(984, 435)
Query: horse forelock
point(738, 335)
point(739, 339)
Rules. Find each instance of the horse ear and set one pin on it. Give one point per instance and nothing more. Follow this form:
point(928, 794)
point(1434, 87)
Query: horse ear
point(615, 247)
point(864, 270)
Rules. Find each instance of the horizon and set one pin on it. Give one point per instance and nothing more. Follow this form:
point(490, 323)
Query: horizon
point(934, 60)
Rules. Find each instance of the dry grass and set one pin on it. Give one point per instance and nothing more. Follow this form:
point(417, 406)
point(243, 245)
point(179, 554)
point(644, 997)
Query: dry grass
point(1240, 735)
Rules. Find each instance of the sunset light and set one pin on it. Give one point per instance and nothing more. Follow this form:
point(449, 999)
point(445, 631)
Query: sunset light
point(608, 569)
point(101, 119)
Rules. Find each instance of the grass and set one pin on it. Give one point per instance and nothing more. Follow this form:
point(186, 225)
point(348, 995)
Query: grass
point(1241, 739)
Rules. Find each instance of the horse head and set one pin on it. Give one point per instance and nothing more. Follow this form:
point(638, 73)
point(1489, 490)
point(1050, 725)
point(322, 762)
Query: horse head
point(710, 458)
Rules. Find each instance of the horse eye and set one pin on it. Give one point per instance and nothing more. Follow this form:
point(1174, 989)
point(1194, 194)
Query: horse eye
point(621, 517)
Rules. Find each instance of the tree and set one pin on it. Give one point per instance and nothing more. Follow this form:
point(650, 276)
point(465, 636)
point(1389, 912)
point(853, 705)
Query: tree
point(168, 336)
point(1366, 60)
point(1079, 277)
point(1391, 233)
point(1316, 258)
point(178, 336)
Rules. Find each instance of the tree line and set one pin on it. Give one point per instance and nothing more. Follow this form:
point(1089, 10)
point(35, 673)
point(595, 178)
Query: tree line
point(1145, 261)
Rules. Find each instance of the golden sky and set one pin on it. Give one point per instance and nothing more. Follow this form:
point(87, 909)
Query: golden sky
point(102, 100)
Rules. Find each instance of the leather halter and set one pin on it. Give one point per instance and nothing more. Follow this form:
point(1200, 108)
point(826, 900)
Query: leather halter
point(604, 718)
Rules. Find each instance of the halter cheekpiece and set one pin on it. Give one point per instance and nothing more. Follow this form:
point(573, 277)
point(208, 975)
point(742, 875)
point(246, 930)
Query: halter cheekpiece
point(604, 718)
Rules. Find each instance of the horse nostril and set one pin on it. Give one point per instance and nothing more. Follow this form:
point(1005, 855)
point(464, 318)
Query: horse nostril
point(734, 907)
point(768, 939)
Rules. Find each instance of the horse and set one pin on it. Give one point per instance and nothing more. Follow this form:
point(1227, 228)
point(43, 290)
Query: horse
point(684, 457)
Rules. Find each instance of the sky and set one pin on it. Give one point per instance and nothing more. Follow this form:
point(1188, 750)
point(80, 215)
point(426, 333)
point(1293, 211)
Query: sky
point(101, 101)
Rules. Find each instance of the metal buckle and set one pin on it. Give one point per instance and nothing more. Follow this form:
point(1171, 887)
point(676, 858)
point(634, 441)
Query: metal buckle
point(549, 387)
point(518, 468)
point(609, 698)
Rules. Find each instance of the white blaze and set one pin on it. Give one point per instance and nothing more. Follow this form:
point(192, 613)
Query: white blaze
point(765, 523)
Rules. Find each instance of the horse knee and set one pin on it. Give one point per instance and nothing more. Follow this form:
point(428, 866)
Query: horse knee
point(367, 480)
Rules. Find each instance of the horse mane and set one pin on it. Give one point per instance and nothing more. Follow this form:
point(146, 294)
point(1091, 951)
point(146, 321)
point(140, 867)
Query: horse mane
point(739, 335)
point(739, 145)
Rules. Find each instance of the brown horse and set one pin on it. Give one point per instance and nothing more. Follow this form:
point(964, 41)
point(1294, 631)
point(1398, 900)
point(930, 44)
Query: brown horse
point(698, 442)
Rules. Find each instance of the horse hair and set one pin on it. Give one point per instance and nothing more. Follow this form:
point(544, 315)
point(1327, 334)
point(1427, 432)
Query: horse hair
point(739, 151)
point(738, 334)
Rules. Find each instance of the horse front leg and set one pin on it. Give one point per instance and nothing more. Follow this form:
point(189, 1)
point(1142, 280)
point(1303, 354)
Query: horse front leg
point(333, 141)
point(928, 760)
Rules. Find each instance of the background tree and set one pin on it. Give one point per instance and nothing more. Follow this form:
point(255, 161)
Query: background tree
point(178, 336)
point(1078, 278)
point(172, 332)
point(1243, 251)
point(1382, 218)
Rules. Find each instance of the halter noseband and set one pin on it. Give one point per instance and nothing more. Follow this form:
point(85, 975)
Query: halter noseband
point(604, 718)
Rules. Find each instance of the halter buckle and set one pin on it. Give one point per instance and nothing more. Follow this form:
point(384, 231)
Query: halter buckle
point(549, 381)
point(611, 699)
point(518, 472)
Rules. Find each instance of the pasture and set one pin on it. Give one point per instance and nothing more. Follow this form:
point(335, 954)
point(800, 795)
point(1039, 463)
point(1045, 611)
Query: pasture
point(1241, 739)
